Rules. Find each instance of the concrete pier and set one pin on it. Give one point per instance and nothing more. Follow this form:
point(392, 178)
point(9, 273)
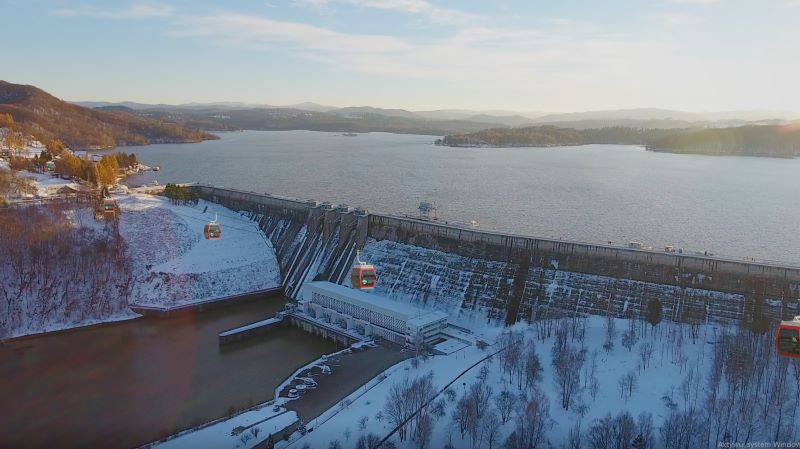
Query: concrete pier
point(250, 330)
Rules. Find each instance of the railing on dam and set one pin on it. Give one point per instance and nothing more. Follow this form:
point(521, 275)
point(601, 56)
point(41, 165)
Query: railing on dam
point(475, 242)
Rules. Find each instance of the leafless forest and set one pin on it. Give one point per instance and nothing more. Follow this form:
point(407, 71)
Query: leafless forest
point(59, 268)
point(557, 383)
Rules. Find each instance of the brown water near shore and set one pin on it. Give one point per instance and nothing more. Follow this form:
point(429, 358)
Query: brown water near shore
point(135, 382)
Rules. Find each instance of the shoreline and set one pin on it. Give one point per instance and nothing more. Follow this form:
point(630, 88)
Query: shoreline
point(646, 147)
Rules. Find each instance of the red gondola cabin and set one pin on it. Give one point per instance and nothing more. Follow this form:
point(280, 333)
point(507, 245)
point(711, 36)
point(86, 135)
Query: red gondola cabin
point(109, 207)
point(787, 340)
point(362, 275)
point(212, 230)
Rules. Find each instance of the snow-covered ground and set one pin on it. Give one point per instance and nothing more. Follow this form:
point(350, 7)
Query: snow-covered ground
point(47, 184)
point(48, 281)
point(676, 361)
point(176, 265)
point(171, 261)
point(251, 428)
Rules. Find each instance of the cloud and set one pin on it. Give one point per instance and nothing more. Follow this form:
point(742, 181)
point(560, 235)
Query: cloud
point(473, 54)
point(250, 31)
point(678, 19)
point(421, 7)
point(695, 2)
point(137, 10)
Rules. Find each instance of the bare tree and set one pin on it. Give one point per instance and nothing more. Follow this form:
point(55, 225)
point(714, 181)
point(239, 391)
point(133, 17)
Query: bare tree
point(612, 432)
point(533, 368)
point(567, 363)
point(627, 384)
point(611, 333)
point(644, 427)
point(679, 431)
point(531, 422)
point(450, 394)
point(483, 374)
point(368, 441)
point(55, 272)
point(506, 403)
point(398, 405)
point(645, 354)
point(574, 436)
point(629, 339)
point(478, 398)
point(491, 428)
point(422, 436)
point(438, 408)
point(462, 415)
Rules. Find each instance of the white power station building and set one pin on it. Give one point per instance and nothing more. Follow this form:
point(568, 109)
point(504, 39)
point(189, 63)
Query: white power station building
point(370, 314)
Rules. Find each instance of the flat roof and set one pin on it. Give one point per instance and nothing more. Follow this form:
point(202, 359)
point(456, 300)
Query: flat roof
point(406, 312)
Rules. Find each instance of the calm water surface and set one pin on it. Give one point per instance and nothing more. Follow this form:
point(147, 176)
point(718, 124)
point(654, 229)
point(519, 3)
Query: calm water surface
point(127, 384)
point(738, 206)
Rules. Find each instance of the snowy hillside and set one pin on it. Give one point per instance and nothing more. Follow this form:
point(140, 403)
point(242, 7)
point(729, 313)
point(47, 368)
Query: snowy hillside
point(47, 184)
point(161, 260)
point(69, 273)
point(674, 390)
point(174, 264)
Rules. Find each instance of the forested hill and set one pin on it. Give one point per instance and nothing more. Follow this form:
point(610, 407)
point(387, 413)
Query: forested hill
point(49, 119)
point(357, 120)
point(772, 141)
point(549, 136)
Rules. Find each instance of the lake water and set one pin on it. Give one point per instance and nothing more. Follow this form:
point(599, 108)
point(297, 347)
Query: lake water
point(736, 206)
point(131, 383)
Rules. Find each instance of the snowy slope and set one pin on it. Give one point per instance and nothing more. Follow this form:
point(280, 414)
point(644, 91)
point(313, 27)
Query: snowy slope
point(675, 358)
point(47, 184)
point(259, 424)
point(176, 265)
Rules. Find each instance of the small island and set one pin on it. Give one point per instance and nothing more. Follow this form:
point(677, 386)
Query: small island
point(753, 140)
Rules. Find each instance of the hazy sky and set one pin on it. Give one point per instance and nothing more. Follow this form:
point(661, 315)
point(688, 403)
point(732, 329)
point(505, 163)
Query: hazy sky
point(527, 55)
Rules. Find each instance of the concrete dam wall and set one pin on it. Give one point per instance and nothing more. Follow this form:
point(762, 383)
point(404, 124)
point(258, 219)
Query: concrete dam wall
point(484, 275)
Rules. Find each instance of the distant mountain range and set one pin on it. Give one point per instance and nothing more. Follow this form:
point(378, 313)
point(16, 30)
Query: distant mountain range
point(46, 118)
point(106, 124)
point(641, 117)
point(307, 106)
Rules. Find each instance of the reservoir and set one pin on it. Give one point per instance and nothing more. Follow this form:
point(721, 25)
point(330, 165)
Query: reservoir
point(130, 383)
point(730, 206)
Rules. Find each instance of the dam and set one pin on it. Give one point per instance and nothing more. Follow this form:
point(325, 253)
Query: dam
point(478, 275)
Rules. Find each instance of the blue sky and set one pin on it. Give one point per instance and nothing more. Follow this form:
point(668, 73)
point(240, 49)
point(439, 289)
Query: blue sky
point(526, 55)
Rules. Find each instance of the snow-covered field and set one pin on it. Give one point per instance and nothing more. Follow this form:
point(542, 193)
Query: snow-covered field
point(674, 380)
point(47, 184)
point(176, 265)
point(171, 262)
point(252, 427)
